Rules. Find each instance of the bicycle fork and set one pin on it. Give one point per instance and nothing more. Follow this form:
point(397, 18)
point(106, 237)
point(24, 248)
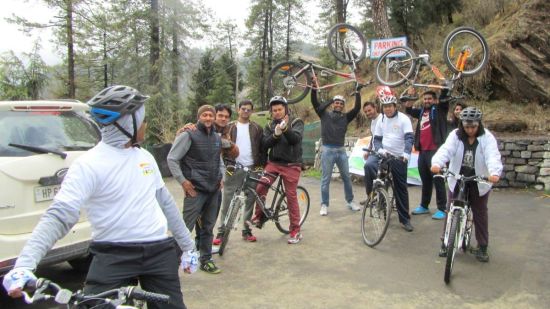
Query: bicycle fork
point(238, 201)
point(461, 225)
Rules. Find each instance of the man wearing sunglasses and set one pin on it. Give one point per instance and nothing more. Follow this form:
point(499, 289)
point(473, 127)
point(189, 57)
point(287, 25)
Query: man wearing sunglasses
point(334, 124)
point(247, 135)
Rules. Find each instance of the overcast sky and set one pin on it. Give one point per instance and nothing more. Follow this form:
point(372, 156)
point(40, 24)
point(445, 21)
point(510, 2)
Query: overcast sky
point(35, 10)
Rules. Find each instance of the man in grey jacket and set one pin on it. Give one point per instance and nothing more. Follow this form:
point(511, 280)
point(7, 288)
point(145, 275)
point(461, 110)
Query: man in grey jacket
point(195, 163)
point(127, 203)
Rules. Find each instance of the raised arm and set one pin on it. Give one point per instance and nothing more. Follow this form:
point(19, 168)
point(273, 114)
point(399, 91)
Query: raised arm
point(356, 108)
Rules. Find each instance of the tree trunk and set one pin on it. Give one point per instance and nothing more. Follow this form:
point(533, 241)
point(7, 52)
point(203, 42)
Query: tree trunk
point(289, 8)
point(155, 44)
point(105, 69)
point(341, 7)
point(70, 50)
point(263, 52)
point(380, 19)
point(175, 60)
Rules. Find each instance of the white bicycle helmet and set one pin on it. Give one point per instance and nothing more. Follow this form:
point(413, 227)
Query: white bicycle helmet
point(339, 98)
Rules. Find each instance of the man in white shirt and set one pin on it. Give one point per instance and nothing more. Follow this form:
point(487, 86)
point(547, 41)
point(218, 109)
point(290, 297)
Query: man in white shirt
point(127, 203)
point(247, 135)
point(394, 135)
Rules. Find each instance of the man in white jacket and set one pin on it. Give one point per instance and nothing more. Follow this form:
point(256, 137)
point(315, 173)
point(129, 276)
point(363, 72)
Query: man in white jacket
point(472, 150)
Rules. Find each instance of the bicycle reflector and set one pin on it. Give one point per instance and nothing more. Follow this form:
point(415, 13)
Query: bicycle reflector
point(285, 68)
point(343, 30)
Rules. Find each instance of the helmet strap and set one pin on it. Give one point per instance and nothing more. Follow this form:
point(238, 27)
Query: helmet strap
point(132, 137)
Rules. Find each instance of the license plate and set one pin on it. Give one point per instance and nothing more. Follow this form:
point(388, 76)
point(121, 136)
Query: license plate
point(45, 193)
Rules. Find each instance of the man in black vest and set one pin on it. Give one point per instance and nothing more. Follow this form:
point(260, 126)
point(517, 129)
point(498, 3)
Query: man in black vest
point(195, 163)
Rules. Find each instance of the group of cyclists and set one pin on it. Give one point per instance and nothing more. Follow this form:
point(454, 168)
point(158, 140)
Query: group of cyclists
point(130, 209)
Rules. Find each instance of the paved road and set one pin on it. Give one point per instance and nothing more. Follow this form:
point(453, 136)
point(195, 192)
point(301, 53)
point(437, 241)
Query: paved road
point(332, 268)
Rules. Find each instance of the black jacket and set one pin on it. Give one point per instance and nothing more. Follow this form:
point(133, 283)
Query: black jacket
point(438, 120)
point(286, 148)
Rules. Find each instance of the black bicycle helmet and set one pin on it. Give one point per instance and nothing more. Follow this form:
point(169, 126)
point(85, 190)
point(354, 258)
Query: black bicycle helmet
point(114, 102)
point(471, 114)
point(278, 99)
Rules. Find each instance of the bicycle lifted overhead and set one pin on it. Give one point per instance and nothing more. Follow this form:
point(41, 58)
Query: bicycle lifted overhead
point(459, 222)
point(115, 298)
point(294, 79)
point(465, 53)
point(277, 211)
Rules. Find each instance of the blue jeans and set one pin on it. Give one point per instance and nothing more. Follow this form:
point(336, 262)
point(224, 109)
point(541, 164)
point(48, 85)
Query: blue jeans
point(371, 168)
point(330, 156)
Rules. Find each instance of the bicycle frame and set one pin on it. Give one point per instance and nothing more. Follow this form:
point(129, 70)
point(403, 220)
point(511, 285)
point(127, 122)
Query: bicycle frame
point(310, 67)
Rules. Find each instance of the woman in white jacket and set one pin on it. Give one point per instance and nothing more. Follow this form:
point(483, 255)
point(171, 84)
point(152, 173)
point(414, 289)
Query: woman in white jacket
point(472, 150)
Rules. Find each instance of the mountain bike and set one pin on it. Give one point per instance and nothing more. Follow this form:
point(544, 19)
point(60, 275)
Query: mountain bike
point(459, 222)
point(276, 212)
point(465, 53)
point(116, 298)
point(294, 79)
point(376, 215)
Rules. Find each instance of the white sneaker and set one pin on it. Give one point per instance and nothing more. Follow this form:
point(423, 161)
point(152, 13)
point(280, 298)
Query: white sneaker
point(353, 207)
point(324, 210)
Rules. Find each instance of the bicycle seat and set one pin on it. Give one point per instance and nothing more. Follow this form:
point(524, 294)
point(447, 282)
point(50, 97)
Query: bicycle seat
point(406, 98)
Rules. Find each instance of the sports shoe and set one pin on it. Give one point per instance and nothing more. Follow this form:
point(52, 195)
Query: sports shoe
point(481, 253)
point(420, 210)
point(407, 227)
point(218, 240)
point(258, 222)
point(210, 267)
point(443, 251)
point(353, 207)
point(247, 235)
point(324, 210)
point(295, 237)
point(439, 215)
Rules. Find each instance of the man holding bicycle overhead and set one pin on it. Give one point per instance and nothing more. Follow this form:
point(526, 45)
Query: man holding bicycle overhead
point(195, 163)
point(247, 135)
point(334, 124)
point(129, 208)
point(282, 138)
point(394, 135)
point(430, 133)
point(472, 150)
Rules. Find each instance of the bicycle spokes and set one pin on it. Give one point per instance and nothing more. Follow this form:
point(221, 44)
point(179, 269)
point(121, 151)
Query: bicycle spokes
point(465, 51)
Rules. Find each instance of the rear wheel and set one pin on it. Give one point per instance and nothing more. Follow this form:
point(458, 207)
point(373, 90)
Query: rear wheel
point(290, 80)
point(396, 66)
point(346, 43)
point(234, 207)
point(452, 245)
point(282, 220)
point(465, 51)
point(375, 218)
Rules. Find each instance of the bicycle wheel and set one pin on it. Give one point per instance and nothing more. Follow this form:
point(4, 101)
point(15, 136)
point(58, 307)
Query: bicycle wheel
point(467, 231)
point(375, 218)
point(465, 51)
point(290, 80)
point(282, 220)
point(396, 66)
point(452, 245)
point(234, 208)
point(346, 43)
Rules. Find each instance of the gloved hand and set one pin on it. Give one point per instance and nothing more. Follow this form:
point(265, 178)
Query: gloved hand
point(16, 279)
point(226, 144)
point(283, 125)
point(190, 261)
point(278, 130)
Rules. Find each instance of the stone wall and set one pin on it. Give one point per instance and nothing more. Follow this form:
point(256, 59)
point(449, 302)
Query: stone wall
point(526, 162)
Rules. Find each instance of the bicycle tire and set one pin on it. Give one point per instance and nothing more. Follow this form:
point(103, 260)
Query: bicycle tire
point(346, 43)
point(460, 38)
point(235, 207)
point(377, 210)
point(288, 79)
point(389, 72)
point(281, 209)
point(467, 231)
point(451, 245)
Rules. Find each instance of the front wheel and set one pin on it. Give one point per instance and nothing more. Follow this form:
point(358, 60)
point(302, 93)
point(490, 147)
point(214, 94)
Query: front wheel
point(452, 246)
point(289, 79)
point(375, 218)
point(465, 51)
point(396, 66)
point(282, 221)
point(346, 43)
point(234, 208)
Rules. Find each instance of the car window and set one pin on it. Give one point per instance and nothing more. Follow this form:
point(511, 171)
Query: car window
point(64, 131)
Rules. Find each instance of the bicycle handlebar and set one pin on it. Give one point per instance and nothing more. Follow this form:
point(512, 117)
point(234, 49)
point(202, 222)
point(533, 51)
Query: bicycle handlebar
point(445, 173)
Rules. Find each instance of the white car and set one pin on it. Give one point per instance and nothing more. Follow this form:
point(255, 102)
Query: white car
point(38, 142)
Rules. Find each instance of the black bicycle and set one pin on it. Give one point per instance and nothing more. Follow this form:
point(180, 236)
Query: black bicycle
point(277, 210)
point(376, 215)
point(459, 224)
point(116, 298)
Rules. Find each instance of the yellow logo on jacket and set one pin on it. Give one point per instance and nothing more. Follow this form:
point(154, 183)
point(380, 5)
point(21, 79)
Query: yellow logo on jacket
point(147, 169)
